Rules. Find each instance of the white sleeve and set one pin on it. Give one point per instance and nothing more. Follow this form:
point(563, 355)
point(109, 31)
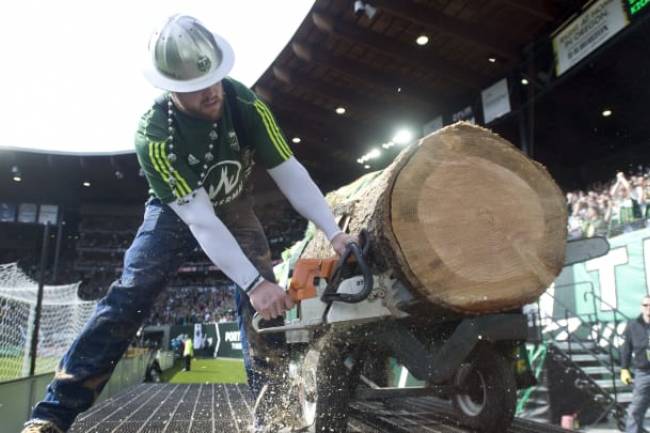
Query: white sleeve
point(215, 239)
point(305, 197)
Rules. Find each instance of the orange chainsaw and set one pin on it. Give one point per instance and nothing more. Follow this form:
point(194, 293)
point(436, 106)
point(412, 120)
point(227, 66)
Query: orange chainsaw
point(331, 291)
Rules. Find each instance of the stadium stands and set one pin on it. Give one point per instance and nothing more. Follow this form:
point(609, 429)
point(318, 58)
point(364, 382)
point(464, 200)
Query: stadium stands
point(612, 208)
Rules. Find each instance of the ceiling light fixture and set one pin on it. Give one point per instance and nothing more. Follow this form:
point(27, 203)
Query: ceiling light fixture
point(422, 40)
point(17, 178)
point(340, 110)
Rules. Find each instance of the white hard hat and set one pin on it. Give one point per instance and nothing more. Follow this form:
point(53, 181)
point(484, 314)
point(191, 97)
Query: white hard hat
point(184, 56)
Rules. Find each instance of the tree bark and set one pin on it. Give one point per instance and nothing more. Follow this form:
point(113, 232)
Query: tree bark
point(462, 218)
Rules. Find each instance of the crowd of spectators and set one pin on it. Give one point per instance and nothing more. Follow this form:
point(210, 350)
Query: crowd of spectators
point(611, 208)
point(194, 304)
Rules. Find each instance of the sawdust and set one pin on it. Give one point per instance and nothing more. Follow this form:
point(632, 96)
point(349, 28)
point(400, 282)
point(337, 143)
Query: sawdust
point(278, 407)
point(281, 407)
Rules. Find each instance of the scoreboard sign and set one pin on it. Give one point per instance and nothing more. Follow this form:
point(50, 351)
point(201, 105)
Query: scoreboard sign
point(587, 32)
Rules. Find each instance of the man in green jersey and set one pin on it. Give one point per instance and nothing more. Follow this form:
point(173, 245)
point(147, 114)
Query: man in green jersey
point(197, 146)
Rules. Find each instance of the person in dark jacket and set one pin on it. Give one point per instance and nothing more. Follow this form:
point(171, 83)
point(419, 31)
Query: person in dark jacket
point(635, 353)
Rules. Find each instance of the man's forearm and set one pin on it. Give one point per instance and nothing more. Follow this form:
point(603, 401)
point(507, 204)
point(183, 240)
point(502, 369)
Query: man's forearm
point(215, 239)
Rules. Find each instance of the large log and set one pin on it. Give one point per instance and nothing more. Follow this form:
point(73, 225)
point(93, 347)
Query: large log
point(463, 218)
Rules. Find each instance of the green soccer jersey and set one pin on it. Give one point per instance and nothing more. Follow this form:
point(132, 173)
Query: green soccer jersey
point(226, 175)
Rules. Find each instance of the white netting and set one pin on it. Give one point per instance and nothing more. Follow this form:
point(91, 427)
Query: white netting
point(62, 317)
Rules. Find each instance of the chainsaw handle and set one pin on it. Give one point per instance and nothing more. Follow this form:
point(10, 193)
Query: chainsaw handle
point(352, 250)
point(258, 325)
point(257, 317)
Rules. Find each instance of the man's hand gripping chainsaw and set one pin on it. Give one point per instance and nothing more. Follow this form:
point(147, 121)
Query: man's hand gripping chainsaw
point(318, 284)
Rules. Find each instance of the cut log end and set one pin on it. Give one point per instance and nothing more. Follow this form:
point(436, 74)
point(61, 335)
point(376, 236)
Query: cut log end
point(464, 219)
point(479, 226)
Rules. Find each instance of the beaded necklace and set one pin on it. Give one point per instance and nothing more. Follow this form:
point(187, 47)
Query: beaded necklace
point(171, 156)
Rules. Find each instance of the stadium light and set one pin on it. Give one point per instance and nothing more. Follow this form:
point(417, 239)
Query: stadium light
point(86, 184)
point(374, 153)
point(422, 40)
point(296, 140)
point(340, 110)
point(607, 112)
point(403, 136)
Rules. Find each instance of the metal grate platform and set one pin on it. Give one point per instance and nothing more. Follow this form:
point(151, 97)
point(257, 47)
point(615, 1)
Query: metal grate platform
point(427, 415)
point(211, 408)
point(170, 408)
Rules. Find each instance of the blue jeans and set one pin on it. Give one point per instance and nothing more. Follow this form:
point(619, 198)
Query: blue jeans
point(640, 402)
point(160, 246)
